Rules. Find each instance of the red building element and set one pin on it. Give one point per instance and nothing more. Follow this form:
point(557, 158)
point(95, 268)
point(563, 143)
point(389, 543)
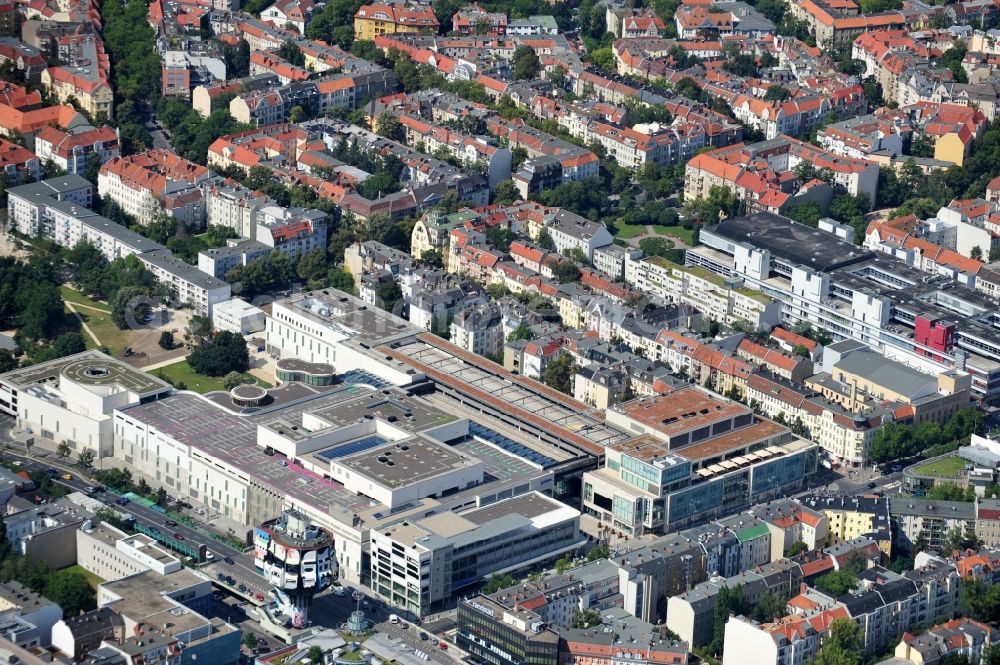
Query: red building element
point(934, 333)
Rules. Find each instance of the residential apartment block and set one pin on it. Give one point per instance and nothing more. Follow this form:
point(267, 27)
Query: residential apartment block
point(154, 182)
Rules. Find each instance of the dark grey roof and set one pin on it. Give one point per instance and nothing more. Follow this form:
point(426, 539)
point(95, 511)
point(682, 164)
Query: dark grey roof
point(790, 241)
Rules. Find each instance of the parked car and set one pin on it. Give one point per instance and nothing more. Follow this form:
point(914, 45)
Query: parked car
point(424, 637)
point(442, 646)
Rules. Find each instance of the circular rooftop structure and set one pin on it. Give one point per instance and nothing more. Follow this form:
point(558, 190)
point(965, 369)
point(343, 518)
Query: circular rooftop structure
point(313, 374)
point(104, 372)
point(248, 395)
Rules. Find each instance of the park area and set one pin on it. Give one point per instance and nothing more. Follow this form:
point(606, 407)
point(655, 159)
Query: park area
point(181, 374)
point(100, 330)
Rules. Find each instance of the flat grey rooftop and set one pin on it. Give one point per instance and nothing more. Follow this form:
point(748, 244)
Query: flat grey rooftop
point(790, 241)
point(895, 376)
point(389, 405)
point(232, 439)
point(333, 308)
point(91, 368)
point(50, 187)
point(529, 505)
point(405, 462)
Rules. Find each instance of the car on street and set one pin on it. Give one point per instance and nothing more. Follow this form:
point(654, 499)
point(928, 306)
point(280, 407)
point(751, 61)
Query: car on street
point(404, 625)
point(442, 646)
point(871, 486)
point(90, 489)
point(178, 535)
point(52, 472)
point(171, 522)
point(122, 501)
point(228, 560)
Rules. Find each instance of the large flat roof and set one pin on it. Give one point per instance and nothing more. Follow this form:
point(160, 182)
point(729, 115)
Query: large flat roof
point(790, 241)
point(681, 410)
point(531, 401)
point(337, 309)
point(529, 505)
point(232, 439)
point(90, 368)
point(407, 461)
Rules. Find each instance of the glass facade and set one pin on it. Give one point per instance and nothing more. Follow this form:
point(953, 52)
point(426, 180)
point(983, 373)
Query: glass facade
point(694, 500)
point(778, 473)
point(490, 640)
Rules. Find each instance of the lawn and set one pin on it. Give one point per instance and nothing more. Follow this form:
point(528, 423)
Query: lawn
point(946, 467)
point(104, 327)
point(628, 231)
point(92, 579)
point(78, 298)
point(181, 372)
point(687, 235)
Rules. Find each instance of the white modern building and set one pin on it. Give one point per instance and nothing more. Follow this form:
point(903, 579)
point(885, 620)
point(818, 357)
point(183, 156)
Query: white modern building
point(238, 316)
point(420, 563)
point(71, 399)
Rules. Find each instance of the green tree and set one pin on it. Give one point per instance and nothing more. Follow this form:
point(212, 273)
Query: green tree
point(656, 246)
point(599, 552)
point(500, 237)
point(86, 458)
point(130, 306)
point(389, 296)
point(841, 646)
point(315, 654)
point(796, 548)
point(433, 258)
point(388, 125)
point(521, 332)
point(545, 240)
point(166, 340)
point(837, 583)
point(525, 63)
point(505, 193)
point(233, 379)
point(290, 51)
point(729, 600)
point(313, 266)
point(808, 213)
point(563, 564)
point(71, 591)
point(216, 356)
point(63, 450)
point(876, 6)
point(250, 640)
point(559, 373)
point(496, 582)
point(769, 607)
point(341, 279)
point(41, 309)
point(566, 272)
point(586, 618)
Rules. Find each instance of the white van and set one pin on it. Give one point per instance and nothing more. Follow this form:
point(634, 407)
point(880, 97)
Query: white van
point(393, 618)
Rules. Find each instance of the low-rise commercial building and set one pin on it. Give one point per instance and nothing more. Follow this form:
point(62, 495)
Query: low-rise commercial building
point(71, 399)
point(417, 565)
point(694, 449)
